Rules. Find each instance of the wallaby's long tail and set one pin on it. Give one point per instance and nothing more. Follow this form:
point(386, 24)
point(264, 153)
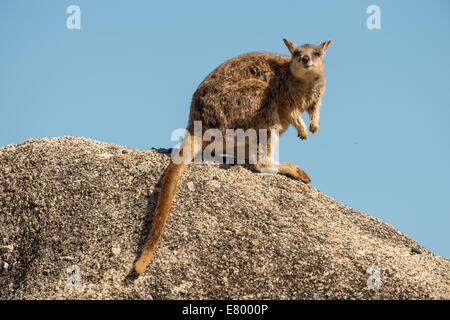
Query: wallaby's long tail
point(168, 187)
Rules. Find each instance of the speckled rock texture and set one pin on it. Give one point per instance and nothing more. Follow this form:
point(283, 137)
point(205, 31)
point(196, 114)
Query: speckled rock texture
point(231, 233)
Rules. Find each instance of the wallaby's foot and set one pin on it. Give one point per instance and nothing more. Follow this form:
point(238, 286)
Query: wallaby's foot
point(286, 168)
point(293, 171)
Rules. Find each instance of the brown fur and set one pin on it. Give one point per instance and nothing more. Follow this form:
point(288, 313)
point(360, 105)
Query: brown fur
point(252, 91)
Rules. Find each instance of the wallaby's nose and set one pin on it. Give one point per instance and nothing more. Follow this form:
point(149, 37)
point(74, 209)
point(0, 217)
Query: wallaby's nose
point(305, 59)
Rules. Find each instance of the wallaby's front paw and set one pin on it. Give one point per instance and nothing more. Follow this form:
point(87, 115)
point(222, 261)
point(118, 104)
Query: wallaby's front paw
point(313, 127)
point(303, 135)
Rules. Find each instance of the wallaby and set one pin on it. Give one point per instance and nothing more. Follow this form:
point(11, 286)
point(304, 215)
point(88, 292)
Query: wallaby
point(256, 90)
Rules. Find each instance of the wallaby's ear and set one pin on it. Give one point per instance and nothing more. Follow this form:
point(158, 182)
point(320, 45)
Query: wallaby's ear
point(289, 45)
point(324, 45)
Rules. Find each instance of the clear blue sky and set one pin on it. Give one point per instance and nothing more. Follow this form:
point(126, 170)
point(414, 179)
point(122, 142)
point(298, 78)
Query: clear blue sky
point(128, 75)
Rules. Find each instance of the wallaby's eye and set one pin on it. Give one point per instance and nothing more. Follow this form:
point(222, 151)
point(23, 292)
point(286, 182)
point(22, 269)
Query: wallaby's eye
point(317, 54)
point(297, 53)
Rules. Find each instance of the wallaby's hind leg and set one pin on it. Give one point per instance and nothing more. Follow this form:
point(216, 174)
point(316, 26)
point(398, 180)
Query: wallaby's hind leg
point(265, 162)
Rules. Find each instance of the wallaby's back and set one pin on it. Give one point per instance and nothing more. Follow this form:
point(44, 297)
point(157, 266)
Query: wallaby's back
point(239, 93)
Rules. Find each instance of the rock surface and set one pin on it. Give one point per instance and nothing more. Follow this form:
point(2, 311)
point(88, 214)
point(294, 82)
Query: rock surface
point(74, 213)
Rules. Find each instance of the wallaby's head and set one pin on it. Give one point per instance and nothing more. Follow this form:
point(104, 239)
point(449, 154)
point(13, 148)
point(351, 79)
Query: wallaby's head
point(307, 59)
